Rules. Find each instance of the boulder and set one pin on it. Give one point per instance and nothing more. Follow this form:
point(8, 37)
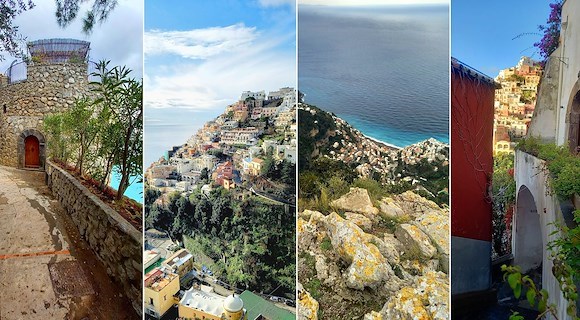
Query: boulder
point(435, 224)
point(414, 239)
point(413, 204)
point(368, 267)
point(307, 306)
point(360, 220)
point(356, 200)
point(389, 249)
point(390, 209)
point(428, 298)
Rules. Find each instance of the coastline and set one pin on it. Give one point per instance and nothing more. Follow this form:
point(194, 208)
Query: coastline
point(386, 144)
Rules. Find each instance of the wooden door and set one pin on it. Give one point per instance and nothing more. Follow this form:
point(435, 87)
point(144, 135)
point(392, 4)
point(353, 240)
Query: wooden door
point(31, 152)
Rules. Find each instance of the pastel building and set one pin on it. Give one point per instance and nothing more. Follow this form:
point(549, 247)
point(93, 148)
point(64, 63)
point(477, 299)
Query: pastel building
point(198, 304)
point(160, 287)
point(181, 263)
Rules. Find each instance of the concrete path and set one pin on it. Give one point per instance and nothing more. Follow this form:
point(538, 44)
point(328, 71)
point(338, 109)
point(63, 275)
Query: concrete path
point(46, 270)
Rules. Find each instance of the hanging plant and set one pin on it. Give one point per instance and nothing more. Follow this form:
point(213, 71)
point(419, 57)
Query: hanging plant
point(551, 32)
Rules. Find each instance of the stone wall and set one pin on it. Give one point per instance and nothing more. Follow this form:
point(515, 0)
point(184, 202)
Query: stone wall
point(535, 196)
point(115, 241)
point(48, 88)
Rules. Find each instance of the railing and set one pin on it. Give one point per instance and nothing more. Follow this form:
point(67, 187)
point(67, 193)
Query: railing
point(18, 71)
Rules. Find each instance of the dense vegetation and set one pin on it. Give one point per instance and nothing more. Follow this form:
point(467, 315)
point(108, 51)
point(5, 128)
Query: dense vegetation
point(504, 196)
point(564, 166)
point(313, 133)
point(111, 135)
point(251, 241)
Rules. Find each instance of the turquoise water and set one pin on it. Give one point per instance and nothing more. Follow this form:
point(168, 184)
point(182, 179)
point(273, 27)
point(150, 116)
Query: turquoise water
point(385, 70)
point(135, 190)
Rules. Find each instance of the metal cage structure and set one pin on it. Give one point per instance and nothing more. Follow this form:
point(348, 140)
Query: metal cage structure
point(59, 50)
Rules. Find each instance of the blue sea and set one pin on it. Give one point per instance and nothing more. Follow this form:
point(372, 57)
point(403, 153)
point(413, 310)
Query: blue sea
point(383, 69)
point(135, 190)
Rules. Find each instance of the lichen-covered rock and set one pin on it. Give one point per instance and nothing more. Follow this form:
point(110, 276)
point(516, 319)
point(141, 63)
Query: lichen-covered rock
point(391, 240)
point(373, 315)
point(413, 204)
point(390, 209)
point(389, 249)
point(360, 220)
point(307, 306)
point(435, 223)
point(416, 267)
point(368, 267)
point(428, 299)
point(413, 239)
point(356, 200)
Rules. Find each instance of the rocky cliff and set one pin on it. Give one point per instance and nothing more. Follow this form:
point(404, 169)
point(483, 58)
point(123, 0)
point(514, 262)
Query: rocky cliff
point(363, 261)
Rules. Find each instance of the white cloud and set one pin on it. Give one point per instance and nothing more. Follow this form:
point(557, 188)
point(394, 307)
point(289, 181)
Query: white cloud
point(198, 43)
point(119, 38)
point(219, 79)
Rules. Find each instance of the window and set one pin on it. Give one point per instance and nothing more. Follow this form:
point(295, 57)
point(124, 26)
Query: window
point(151, 301)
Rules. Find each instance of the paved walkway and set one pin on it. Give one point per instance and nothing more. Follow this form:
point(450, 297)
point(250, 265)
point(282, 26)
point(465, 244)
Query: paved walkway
point(46, 270)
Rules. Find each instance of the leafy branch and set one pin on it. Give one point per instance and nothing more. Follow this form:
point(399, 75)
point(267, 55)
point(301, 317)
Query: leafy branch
point(536, 298)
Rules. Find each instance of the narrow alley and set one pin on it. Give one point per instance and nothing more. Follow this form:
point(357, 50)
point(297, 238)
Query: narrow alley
point(46, 270)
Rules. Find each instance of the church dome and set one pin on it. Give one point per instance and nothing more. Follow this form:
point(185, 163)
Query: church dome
point(233, 303)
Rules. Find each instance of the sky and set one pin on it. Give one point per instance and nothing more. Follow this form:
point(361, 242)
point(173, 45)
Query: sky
point(118, 39)
point(370, 2)
point(483, 32)
point(200, 56)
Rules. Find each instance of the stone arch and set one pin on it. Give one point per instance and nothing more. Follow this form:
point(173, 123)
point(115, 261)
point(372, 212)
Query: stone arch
point(528, 246)
point(21, 146)
point(573, 118)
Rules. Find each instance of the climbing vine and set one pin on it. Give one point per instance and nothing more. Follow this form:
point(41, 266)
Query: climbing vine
point(550, 31)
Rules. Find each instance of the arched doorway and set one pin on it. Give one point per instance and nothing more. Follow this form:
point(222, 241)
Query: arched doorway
point(528, 246)
point(574, 123)
point(31, 152)
point(31, 149)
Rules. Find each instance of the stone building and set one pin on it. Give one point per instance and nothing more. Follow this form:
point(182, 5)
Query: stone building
point(54, 75)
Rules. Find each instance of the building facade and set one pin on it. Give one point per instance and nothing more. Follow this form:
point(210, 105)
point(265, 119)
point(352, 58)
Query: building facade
point(49, 86)
point(472, 114)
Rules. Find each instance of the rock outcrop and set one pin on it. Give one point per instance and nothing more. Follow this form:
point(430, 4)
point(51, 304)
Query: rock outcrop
point(307, 306)
point(415, 240)
point(428, 298)
point(368, 267)
point(356, 200)
point(355, 256)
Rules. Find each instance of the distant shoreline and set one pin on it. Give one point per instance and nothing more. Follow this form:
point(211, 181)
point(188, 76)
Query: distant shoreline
point(388, 145)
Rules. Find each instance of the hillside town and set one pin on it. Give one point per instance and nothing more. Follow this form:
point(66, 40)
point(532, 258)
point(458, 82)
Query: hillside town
point(243, 159)
point(412, 165)
point(514, 103)
point(232, 148)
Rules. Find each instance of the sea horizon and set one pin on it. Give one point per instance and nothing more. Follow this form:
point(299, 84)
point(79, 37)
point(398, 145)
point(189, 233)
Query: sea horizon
point(390, 80)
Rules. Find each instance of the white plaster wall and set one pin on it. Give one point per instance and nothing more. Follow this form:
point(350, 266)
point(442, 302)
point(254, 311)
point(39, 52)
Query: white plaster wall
point(570, 67)
point(531, 173)
point(546, 112)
